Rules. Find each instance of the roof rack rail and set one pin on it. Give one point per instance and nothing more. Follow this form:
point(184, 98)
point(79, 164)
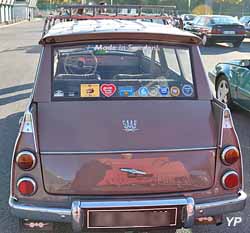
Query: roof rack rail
point(97, 12)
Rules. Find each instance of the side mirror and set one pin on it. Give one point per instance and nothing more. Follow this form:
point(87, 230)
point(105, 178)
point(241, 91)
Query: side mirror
point(190, 23)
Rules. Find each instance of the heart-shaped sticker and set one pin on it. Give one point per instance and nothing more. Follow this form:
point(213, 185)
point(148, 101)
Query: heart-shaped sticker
point(108, 89)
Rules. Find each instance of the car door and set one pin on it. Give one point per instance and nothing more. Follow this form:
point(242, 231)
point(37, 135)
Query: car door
point(243, 89)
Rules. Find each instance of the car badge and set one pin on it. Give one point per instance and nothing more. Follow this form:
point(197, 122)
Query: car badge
point(129, 125)
point(143, 91)
point(132, 171)
point(187, 90)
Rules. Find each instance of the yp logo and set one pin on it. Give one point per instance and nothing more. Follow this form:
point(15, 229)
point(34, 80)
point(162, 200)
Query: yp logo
point(233, 221)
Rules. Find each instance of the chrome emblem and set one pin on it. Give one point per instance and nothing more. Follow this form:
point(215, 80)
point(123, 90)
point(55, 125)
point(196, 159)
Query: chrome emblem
point(133, 171)
point(130, 125)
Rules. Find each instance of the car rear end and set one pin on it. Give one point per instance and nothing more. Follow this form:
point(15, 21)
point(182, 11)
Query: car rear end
point(226, 29)
point(125, 135)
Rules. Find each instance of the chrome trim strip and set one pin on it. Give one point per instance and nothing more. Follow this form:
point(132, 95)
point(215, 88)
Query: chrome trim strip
point(39, 213)
point(133, 203)
point(222, 206)
point(125, 151)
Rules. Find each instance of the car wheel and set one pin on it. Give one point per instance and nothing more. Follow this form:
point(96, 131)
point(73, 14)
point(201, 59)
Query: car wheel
point(237, 44)
point(205, 41)
point(223, 91)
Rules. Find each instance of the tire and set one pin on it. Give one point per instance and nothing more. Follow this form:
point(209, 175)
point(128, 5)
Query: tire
point(222, 89)
point(205, 41)
point(237, 44)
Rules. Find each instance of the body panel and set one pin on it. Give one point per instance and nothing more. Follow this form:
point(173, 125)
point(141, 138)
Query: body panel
point(128, 173)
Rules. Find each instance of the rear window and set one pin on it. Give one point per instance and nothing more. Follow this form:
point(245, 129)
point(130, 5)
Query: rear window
point(224, 20)
point(122, 71)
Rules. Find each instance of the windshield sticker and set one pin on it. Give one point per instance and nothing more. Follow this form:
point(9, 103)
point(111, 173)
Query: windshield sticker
point(153, 91)
point(90, 90)
point(175, 91)
point(108, 89)
point(164, 91)
point(143, 91)
point(58, 93)
point(187, 90)
point(126, 91)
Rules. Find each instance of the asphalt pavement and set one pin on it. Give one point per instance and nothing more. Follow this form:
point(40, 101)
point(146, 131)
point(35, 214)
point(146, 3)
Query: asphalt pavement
point(19, 55)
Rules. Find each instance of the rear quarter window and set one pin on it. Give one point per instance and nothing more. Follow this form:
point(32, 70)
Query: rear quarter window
point(122, 71)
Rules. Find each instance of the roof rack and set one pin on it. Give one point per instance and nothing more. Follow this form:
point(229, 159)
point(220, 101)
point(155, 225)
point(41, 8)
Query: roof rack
point(98, 12)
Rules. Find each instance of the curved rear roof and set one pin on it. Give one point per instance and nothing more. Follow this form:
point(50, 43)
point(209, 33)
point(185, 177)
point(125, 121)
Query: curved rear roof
point(114, 29)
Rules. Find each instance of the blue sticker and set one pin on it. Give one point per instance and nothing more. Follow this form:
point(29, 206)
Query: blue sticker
point(164, 91)
point(143, 91)
point(187, 90)
point(126, 91)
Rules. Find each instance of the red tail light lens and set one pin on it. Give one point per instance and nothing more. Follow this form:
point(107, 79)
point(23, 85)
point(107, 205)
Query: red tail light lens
point(230, 180)
point(26, 186)
point(26, 160)
point(230, 155)
point(216, 31)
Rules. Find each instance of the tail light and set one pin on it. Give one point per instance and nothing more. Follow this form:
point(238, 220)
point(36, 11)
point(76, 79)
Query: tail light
point(216, 31)
point(26, 160)
point(230, 155)
point(230, 180)
point(26, 186)
point(241, 31)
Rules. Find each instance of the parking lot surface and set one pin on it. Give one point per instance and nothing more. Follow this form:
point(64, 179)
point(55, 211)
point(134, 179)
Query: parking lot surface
point(19, 55)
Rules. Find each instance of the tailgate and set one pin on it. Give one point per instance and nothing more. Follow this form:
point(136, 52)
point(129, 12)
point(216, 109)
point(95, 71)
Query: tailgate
point(86, 149)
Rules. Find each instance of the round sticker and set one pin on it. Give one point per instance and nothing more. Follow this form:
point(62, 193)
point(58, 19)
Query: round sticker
point(143, 91)
point(187, 90)
point(164, 91)
point(153, 91)
point(175, 91)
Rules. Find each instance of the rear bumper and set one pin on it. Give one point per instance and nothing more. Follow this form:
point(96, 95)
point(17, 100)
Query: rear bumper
point(74, 215)
point(225, 38)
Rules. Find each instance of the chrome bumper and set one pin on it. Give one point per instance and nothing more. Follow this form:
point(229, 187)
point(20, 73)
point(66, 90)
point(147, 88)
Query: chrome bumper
point(75, 214)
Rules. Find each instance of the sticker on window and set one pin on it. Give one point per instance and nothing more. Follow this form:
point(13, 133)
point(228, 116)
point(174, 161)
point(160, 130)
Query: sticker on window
point(90, 90)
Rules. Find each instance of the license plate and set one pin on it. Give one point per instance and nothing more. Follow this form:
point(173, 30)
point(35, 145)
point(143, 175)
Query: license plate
point(229, 32)
point(132, 218)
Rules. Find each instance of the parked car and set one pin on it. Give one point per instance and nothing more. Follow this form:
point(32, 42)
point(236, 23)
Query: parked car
point(245, 20)
point(187, 19)
point(232, 83)
point(217, 28)
point(110, 141)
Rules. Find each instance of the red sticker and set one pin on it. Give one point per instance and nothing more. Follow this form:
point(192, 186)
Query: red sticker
point(108, 89)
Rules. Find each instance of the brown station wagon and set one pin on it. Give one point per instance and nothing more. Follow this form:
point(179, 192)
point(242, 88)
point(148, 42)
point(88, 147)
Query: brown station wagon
point(122, 133)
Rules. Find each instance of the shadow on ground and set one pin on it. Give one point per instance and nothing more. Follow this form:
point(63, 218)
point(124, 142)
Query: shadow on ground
point(17, 97)
point(222, 49)
point(26, 49)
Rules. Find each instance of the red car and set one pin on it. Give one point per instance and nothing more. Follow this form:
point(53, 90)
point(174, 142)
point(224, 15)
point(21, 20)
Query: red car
point(122, 132)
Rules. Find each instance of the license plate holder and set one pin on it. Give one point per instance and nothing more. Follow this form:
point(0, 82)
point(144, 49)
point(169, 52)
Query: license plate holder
point(134, 218)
